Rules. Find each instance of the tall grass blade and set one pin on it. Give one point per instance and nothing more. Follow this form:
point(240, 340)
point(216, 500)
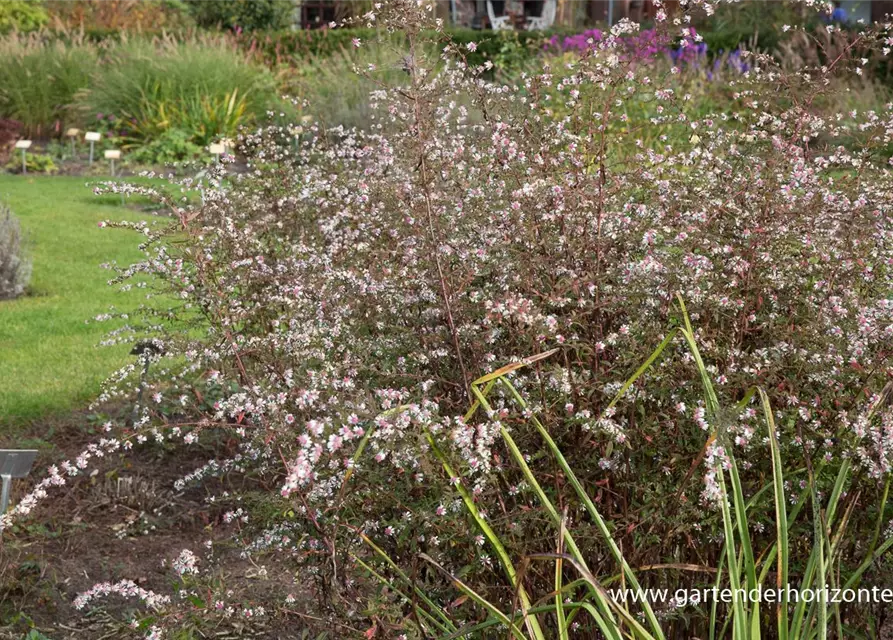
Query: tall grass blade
point(476, 597)
point(421, 594)
point(878, 553)
point(590, 509)
point(820, 543)
point(638, 630)
point(714, 605)
point(880, 516)
point(559, 570)
point(567, 538)
point(389, 583)
point(641, 370)
point(781, 520)
point(506, 562)
point(739, 622)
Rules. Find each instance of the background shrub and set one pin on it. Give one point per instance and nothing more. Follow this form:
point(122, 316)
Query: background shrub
point(337, 85)
point(244, 15)
point(297, 46)
point(9, 133)
point(169, 147)
point(15, 268)
point(21, 15)
point(754, 25)
point(116, 15)
point(34, 163)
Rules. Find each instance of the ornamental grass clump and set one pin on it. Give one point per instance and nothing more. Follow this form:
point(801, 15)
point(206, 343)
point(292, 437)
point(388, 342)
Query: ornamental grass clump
point(39, 79)
point(202, 87)
point(522, 250)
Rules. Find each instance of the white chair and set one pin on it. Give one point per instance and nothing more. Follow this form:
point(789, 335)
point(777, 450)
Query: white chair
point(498, 23)
point(546, 19)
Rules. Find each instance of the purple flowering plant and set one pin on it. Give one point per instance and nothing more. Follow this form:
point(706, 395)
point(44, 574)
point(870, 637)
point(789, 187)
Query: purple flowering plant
point(687, 51)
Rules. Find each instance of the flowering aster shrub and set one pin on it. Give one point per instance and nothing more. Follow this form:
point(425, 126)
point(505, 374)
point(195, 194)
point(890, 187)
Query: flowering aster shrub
point(335, 303)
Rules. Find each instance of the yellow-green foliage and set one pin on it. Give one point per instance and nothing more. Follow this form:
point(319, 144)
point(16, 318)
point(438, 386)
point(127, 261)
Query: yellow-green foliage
point(19, 15)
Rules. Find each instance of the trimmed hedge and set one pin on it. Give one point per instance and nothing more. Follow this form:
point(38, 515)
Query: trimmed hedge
point(280, 46)
point(322, 42)
point(276, 47)
point(245, 15)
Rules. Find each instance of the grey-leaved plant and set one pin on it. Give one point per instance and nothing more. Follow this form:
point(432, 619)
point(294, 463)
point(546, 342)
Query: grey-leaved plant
point(15, 267)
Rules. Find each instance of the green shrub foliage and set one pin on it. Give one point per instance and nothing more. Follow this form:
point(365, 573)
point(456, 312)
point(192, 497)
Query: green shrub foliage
point(21, 15)
point(244, 15)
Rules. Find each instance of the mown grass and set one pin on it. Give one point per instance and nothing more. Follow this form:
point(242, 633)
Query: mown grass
point(50, 358)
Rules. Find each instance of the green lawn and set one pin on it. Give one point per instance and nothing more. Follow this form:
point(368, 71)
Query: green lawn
point(50, 358)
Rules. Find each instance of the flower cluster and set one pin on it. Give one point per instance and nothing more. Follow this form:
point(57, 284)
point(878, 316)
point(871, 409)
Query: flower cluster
point(124, 589)
point(186, 563)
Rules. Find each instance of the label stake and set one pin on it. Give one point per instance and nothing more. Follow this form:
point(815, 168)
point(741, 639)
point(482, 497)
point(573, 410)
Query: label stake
point(14, 463)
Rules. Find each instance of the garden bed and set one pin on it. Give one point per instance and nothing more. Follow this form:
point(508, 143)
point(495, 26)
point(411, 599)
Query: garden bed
point(119, 523)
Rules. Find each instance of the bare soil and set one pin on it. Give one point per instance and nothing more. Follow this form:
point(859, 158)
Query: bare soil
point(121, 522)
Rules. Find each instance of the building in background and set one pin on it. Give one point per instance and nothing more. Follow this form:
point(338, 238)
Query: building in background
point(862, 10)
point(567, 13)
point(317, 14)
point(314, 14)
